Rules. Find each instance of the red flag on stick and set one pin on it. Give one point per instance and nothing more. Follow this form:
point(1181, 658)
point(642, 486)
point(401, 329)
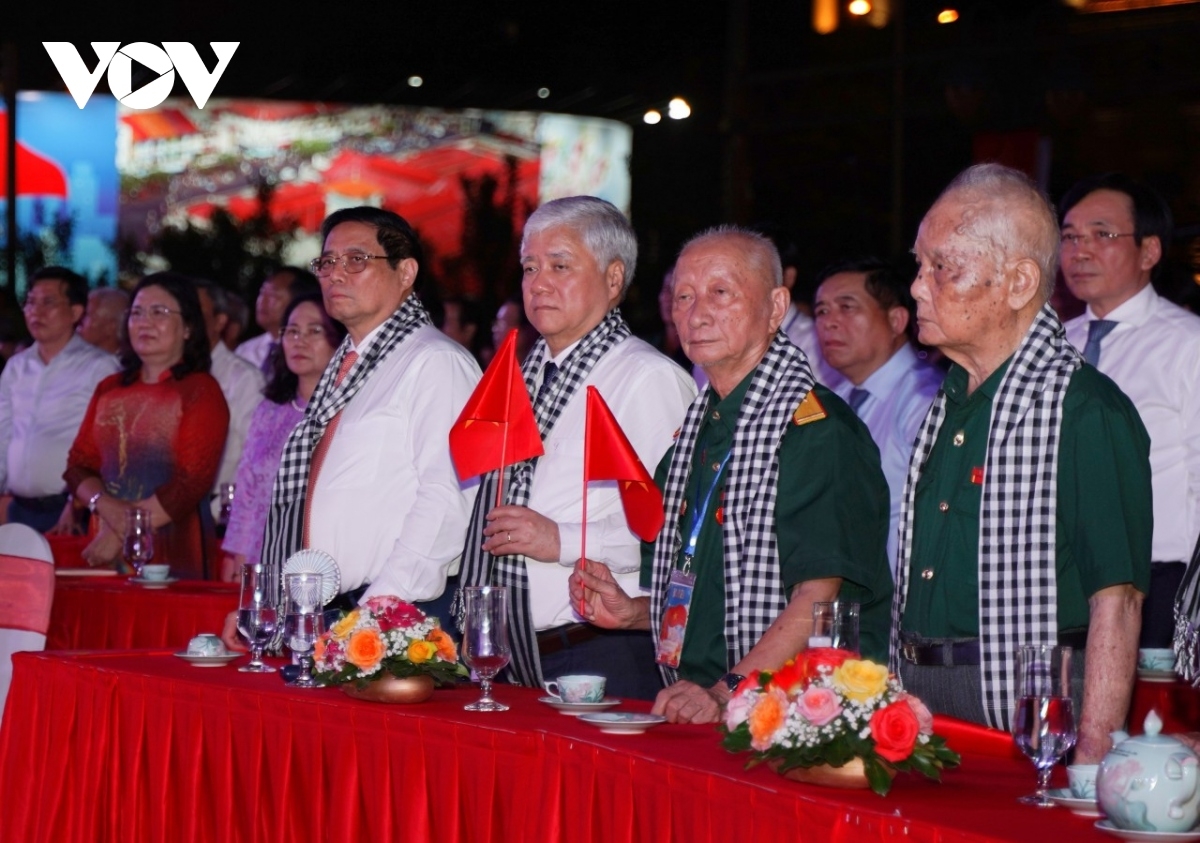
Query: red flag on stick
point(609, 456)
point(496, 427)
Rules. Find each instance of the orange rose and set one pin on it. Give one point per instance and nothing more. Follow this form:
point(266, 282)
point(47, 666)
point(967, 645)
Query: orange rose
point(365, 650)
point(766, 718)
point(319, 649)
point(895, 731)
point(444, 644)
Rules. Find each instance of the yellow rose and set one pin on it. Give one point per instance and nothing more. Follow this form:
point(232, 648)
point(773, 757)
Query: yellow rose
point(342, 628)
point(860, 680)
point(420, 652)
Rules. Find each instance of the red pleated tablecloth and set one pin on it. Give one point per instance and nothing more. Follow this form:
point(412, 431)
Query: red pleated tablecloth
point(112, 613)
point(144, 746)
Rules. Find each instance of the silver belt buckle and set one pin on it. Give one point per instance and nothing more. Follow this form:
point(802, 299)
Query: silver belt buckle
point(909, 651)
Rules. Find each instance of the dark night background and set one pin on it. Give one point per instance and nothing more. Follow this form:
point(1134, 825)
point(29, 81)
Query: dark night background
point(842, 140)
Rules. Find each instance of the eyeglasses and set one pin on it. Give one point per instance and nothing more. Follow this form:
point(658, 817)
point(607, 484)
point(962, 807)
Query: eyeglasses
point(352, 262)
point(155, 312)
point(1102, 238)
point(41, 304)
point(294, 333)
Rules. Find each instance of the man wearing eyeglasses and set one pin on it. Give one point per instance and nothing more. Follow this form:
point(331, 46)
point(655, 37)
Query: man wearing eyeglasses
point(1115, 235)
point(274, 296)
point(367, 476)
point(44, 392)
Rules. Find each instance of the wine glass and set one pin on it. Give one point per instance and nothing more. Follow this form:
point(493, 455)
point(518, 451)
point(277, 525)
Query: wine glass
point(485, 640)
point(835, 624)
point(303, 623)
point(257, 617)
point(1044, 722)
point(138, 546)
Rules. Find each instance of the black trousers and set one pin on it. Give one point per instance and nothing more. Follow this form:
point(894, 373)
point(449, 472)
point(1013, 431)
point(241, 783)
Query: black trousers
point(1158, 610)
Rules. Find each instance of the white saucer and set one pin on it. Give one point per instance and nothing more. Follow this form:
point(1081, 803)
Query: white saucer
point(145, 583)
point(1148, 836)
point(1147, 675)
point(210, 661)
point(1082, 807)
point(623, 722)
point(576, 709)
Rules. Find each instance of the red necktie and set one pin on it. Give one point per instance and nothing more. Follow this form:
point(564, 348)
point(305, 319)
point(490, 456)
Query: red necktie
point(318, 457)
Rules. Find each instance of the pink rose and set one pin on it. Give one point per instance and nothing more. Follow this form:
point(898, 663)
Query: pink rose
point(393, 613)
point(924, 717)
point(818, 706)
point(737, 710)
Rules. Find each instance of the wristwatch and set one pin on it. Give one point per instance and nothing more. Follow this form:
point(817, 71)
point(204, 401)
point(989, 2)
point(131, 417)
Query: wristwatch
point(93, 500)
point(732, 680)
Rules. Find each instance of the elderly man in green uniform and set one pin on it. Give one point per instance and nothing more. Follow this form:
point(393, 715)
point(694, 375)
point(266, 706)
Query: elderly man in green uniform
point(774, 496)
point(1026, 514)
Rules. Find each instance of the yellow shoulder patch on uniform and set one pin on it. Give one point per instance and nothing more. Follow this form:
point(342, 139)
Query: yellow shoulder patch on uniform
point(810, 410)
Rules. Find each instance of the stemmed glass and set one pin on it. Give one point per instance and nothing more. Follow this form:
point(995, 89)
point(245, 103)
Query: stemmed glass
point(835, 624)
point(257, 617)
point(303, 623)
point(1044, 722)
point(485, 640)
point(138, 547)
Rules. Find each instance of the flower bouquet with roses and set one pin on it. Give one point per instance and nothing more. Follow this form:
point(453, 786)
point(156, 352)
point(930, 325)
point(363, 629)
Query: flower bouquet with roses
point(385, 636)
point(828, 707)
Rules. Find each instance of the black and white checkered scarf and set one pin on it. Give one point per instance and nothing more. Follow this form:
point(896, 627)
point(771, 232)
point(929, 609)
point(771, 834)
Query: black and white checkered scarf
point(754, 594)
point(285, 520)
point(482, 568)
point(1187, 621)
point(1018, 590)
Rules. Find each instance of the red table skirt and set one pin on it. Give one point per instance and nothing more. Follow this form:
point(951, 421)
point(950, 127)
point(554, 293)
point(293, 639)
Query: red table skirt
point(111, 613)
point(136, 746)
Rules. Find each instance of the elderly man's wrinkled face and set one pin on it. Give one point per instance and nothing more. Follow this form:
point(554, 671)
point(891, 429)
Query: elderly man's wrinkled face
point(726, 307)
point(566, 291)
point(960, 292)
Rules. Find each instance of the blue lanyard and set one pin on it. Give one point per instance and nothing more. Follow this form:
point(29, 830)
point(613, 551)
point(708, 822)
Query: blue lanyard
point(699, 510)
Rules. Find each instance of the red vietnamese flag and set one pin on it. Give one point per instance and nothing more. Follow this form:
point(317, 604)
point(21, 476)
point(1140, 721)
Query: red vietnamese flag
point(609, 456)
point(496, 427)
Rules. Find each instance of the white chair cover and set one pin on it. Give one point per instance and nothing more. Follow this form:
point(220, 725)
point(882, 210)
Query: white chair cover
point(26, 592)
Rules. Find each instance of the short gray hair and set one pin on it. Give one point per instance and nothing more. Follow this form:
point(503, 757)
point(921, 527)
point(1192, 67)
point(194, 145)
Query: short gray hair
point(760, 249)
point(604, 229)
point(1019, 218)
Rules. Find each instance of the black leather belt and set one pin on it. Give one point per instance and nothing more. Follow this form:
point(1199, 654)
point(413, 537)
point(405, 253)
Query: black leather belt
point(960, 653)
point(563, 637)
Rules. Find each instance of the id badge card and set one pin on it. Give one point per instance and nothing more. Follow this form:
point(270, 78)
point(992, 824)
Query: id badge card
point(675, 617)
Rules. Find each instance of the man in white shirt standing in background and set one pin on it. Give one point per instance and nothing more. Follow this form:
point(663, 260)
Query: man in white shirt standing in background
point(240, 381)
point(862, 311)
point(1115, 235)
point(577, 256)
point(44, 393)
point(274, 296)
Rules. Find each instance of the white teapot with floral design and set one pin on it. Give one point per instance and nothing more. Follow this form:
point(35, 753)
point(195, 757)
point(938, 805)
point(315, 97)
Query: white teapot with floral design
point(1150, 782)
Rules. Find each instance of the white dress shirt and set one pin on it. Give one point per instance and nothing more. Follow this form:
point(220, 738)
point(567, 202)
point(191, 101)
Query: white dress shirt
point(649, 396)
point(387, 504)
point(256, 349)
point(1154, 356)
point(242, 386)
point(901, 391)
point(41, 407)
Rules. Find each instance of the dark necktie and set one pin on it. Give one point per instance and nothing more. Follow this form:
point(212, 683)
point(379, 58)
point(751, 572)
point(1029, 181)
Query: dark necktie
point(549, 374)
point(1098, 329)
point(318, 457)
point(857, 398)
